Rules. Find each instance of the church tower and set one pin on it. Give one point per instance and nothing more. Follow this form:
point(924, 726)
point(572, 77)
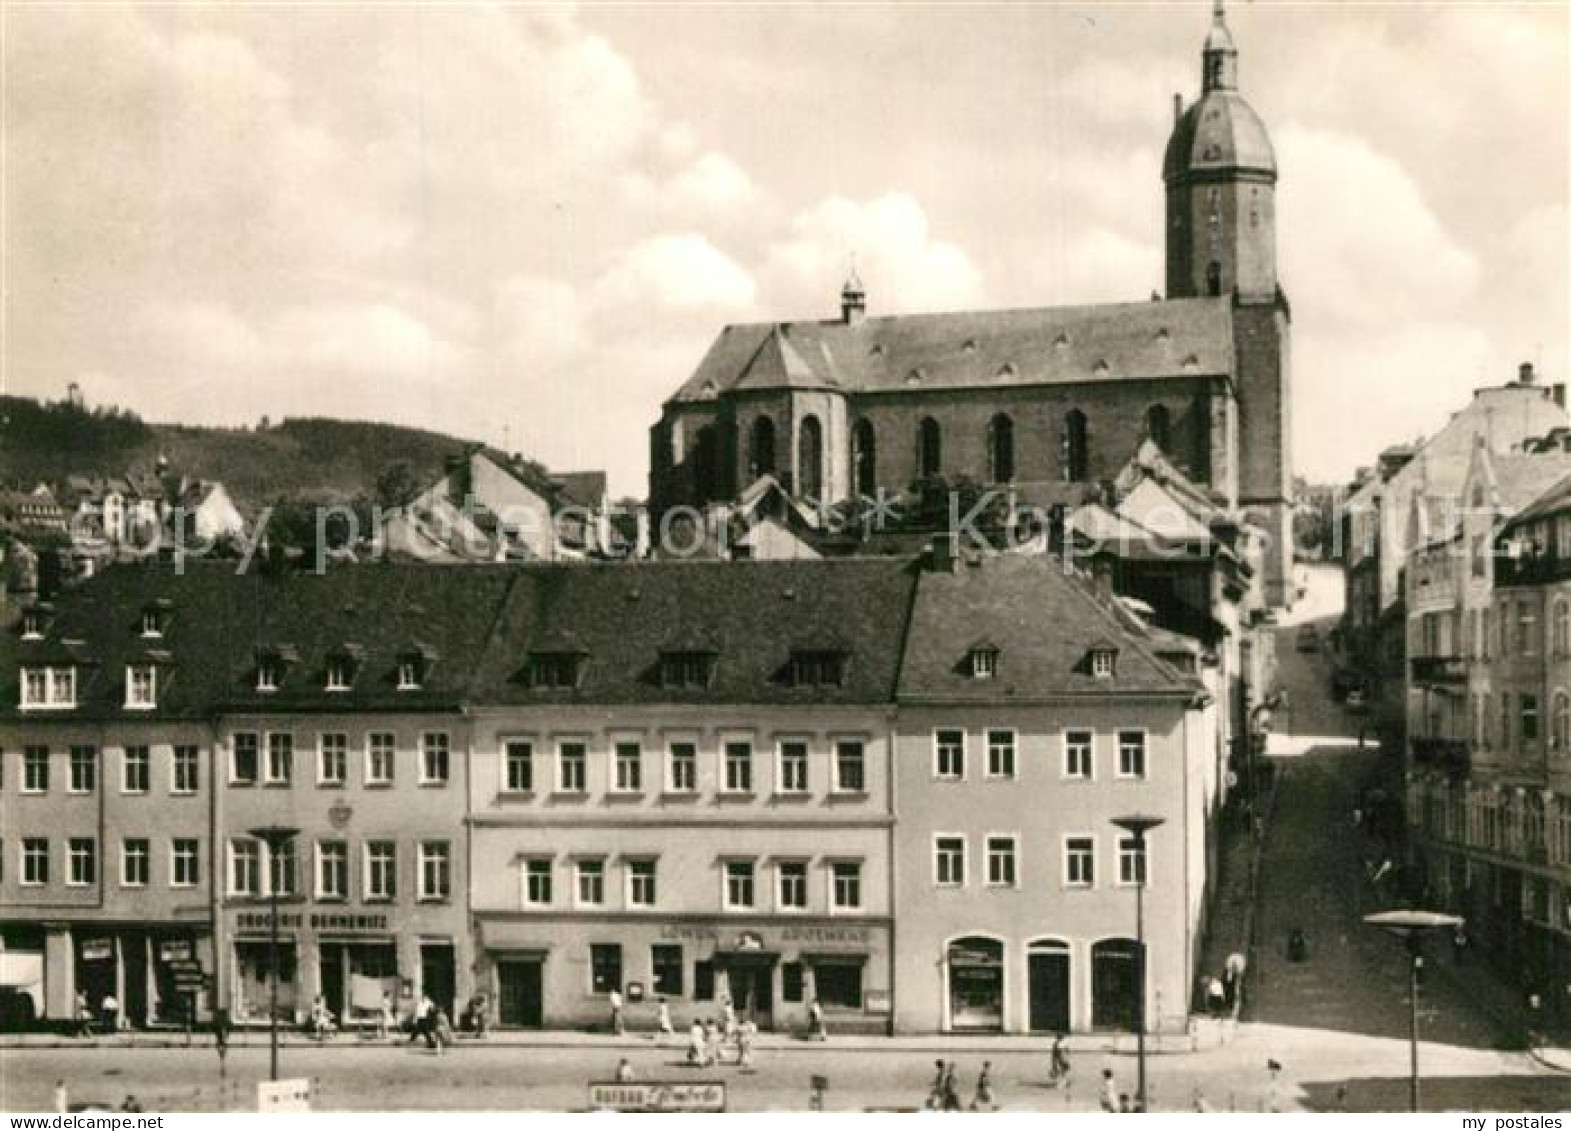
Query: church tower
point(1220, 173)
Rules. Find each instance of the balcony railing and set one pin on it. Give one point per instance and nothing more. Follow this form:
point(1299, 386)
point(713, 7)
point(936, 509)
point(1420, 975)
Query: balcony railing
point(1531, 568)
point(1438, 669)
point(1449, 755)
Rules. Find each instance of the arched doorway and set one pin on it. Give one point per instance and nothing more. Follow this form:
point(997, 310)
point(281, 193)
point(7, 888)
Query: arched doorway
point(1001, 449)
point(1113, 993)
point(864, 456)
point(810, 459)
point(1048, 982)
point(976, 984)
point(761, 448)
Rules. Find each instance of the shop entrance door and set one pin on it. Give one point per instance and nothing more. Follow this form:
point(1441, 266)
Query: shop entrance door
point(1113, 992)
point(518, 993)
point(437, 975)
point(95, 971)
point(752, 986)
point(976, 984)
point(1049, 989)
point(133, 961)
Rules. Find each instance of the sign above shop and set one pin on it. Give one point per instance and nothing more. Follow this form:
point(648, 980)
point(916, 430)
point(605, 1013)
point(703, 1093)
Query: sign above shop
point(175, 950)
point(670, 1096)
point(97, 950)
point(760, 938)
point(316, 921)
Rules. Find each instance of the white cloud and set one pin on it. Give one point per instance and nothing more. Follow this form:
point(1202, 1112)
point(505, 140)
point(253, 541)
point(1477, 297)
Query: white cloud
point(682, 272)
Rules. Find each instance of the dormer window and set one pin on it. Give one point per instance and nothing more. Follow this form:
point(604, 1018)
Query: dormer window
point(408, 674)
point(817, 668)
point(141, 687)
point(32, 624)
point(984, 662)
point(340, 673)
point(48, 688)
point(413, 668)
point(269, 672)
point(552, 669)
point(686, 669)
point(1103, 662)
point(152, 622)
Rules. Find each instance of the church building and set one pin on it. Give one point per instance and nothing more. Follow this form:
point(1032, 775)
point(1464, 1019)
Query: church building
point(853, 406)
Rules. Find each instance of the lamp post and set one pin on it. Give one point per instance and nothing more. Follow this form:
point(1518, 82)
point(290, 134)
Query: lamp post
point(1138, 826)
point(1411, 926)
point(277, 838)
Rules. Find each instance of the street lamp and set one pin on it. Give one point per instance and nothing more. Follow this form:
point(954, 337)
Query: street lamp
point(277, 838)
point(1411, 926)
point(1137, 826)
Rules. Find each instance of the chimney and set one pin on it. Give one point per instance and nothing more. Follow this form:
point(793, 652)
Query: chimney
point(941, 554)
point(1524, 373)
point(1102, 576)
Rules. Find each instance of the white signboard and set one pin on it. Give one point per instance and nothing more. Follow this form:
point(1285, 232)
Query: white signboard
point(683, 1095)
point(275, 1097)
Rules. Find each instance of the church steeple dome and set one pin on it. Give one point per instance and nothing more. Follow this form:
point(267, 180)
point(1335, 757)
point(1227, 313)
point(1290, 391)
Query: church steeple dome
point(853, 298)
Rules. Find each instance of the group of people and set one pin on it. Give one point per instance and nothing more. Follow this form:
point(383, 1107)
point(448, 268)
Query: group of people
point(1221, 994)
point(107, 1018)
point(707, 1040)
point(944, 1095)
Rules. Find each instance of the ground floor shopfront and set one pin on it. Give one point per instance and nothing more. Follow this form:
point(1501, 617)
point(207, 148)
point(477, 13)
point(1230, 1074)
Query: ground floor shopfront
point(156, 974)
point(355, 960)
point(559, 971)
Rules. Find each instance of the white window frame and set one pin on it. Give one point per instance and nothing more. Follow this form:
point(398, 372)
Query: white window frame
point(835, 742)
point(751, 785)
point(507, 744)
point(125, 769)
point(725, 883)
point(342, 751)
point(631, 880)
point(781, 786)
point(234, 755)
point(141, 687)
point(175, 856)
point(1144, 844)
point(175, 761)
point(619, 745)
point(1067, 880)
point(428, 853)
point(408, 674)
point(582, 746)
point(56, 684)
point(580, 874)
point(781, 906)
point(28, 762)
point(1014, 754)
point(1090, 754)
point(71, 786)
point(321, 892)
point(145, 855)
point(72, 845)
point(670, 765)
point(432, 741)
point(340, 674)
point(368, 892)
point(233, 854)
point(984, 663)
point(267, 673)
point(965, 864)
point(939, 773)
point(834, 892)
point(373, 749)
point(1014, 860)
point(1145, 754)
point(268, 777)
point(527, 871)
point(1103, 663)
point(29, 878)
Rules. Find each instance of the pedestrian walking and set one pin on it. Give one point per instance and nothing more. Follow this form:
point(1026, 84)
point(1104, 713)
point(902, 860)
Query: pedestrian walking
point(728, 1017)
point(935, 1094)
point(951, 1089)
point(1216, 996)
point(816, 1029)
point(747, 1032)
point(420, 1025)
point(1110, 1097)
point(321, 1018)
point(1058, 1071)
point(983, 1100)
point(384, 1017)
point(1273, 1088)
point(695, 1043)
point(615, 1001)
point(480, 1011)
point(624, 1072)
point(663, 1021)
point(442, 1030)
point(84, 1016)
point(714, 1042)
point(109, 1013)
point(62, 1102)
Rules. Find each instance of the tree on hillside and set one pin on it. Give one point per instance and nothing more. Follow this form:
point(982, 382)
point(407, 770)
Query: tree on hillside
point(396, 486)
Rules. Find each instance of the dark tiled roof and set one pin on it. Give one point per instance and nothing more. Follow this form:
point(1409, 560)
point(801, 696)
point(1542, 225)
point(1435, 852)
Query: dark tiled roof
point(751, 613)
point(1045, 624)
point(1552, 501)
point(582, 488)
point(970, 349)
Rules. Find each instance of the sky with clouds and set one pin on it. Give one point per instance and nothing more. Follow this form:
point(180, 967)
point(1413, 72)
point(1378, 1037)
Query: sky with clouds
point(478, 218)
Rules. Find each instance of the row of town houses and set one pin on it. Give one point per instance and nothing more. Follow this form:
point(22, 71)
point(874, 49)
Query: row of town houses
point(885, 784)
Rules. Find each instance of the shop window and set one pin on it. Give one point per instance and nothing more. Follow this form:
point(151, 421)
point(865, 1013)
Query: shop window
point(793, 983)
point(665, 961)
point(605, 967)
point(704, 980)
point(838, 984)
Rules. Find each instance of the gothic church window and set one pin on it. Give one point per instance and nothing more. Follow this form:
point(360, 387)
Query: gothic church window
point(810, 459)
point(864, 457)
point(1000, 449)
point(762, 448)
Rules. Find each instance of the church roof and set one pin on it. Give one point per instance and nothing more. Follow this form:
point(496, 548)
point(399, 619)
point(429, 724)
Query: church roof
point(1219, 133)
point(972, 349)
